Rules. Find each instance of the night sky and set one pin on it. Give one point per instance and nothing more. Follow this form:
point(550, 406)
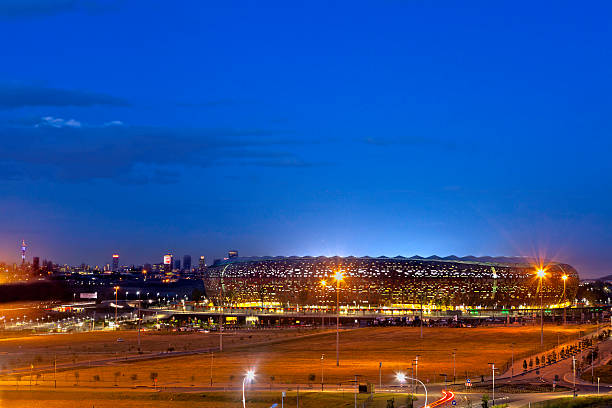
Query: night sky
point(315, 128)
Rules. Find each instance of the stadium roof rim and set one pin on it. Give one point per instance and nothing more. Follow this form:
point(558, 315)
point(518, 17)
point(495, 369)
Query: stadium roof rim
point(484, 260)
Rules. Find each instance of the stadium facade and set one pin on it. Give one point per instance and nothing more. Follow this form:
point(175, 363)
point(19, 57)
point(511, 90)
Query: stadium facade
point(389, 282)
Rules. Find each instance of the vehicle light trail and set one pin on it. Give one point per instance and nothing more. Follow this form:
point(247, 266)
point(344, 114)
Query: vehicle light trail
point(447, 396)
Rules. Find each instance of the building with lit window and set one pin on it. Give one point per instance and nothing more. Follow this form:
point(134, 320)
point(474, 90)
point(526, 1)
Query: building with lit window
point(390, 282)
point(115, 267)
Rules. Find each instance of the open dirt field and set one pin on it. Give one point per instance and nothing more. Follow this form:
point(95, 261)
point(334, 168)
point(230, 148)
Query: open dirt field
point(292, 357)
point(102, 399)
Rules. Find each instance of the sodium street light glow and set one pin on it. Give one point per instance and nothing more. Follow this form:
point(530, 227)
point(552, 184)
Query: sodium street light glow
point(248, 377)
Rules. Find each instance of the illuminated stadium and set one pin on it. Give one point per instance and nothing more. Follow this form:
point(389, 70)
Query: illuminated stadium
point(441, 283)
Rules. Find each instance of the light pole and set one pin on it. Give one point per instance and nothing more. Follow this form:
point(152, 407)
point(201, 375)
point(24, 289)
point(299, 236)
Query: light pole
point(116, 297)
point(138, 293)
point(564, 277)
point(401, 377)
point(454, 355)
point(574, 371)
point(541, 274)
point(212, 359)
point(512, 372)
point(249, 376)
point(493, 370)
point(322, 357)
point(323, 285)
point(339, 276)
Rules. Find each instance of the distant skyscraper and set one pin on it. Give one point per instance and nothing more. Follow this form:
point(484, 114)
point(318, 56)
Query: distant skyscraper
point(115, 267)
point(23, 251)
point(168, 261)
point(187, 263)
point(232, 254)
point(177, 265)
point(36, 264)
point(202, 264)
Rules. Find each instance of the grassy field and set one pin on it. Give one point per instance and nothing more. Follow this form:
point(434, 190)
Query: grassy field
point(108, 399)
point(291, 357)
point(603, 372)
point(579, 402)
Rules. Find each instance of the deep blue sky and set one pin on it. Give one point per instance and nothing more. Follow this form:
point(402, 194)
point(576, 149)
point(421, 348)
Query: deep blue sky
point(320, 128)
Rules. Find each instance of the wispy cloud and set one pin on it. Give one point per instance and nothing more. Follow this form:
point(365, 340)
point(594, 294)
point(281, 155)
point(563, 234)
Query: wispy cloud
point(58, 122)
point(68, 150)
point(19, 95)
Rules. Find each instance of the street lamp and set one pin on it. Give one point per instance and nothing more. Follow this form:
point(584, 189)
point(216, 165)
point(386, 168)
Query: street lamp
point(339, 276)
point(401, 377)
point(323, 286)
point(541, 274)
point(116, 294)
point(454, 356)
point(248, 377)
point(564, 277)
point(322, 357)
point(493, 370)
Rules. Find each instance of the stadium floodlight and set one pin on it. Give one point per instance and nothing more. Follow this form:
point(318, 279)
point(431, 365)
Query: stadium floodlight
point(541, 274)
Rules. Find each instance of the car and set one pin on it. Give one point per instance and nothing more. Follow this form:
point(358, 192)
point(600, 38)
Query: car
point(119, 340)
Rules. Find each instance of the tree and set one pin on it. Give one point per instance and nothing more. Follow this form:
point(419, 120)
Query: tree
point(153, 376)
point(525, 365)
point(117, 374)
point(485, 401)
point(312, 377)
point(530, 363)
point(537, 361)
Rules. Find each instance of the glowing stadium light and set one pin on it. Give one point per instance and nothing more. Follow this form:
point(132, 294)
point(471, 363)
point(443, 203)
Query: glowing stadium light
point(541, 273)
point(400, 377)
point(339, 276)
point(323, 282)
point(564, 277)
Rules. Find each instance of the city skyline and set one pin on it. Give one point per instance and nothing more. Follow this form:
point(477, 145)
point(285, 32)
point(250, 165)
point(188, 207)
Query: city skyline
point(399, 129)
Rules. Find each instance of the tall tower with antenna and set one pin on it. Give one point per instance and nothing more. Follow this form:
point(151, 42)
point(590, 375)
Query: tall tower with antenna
point(23, 251)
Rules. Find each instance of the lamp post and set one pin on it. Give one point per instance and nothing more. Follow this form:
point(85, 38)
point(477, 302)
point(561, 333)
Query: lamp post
point(323, 286)
point(541, 274)
point(138, 315)
point(339, 276)
point(493, 370)
point(249, 376)
point(564, 277)
point(401, 377)
point(574, 371)
point(512, 372)
point(116, 294)
point(454, 356)
point(322, 357)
